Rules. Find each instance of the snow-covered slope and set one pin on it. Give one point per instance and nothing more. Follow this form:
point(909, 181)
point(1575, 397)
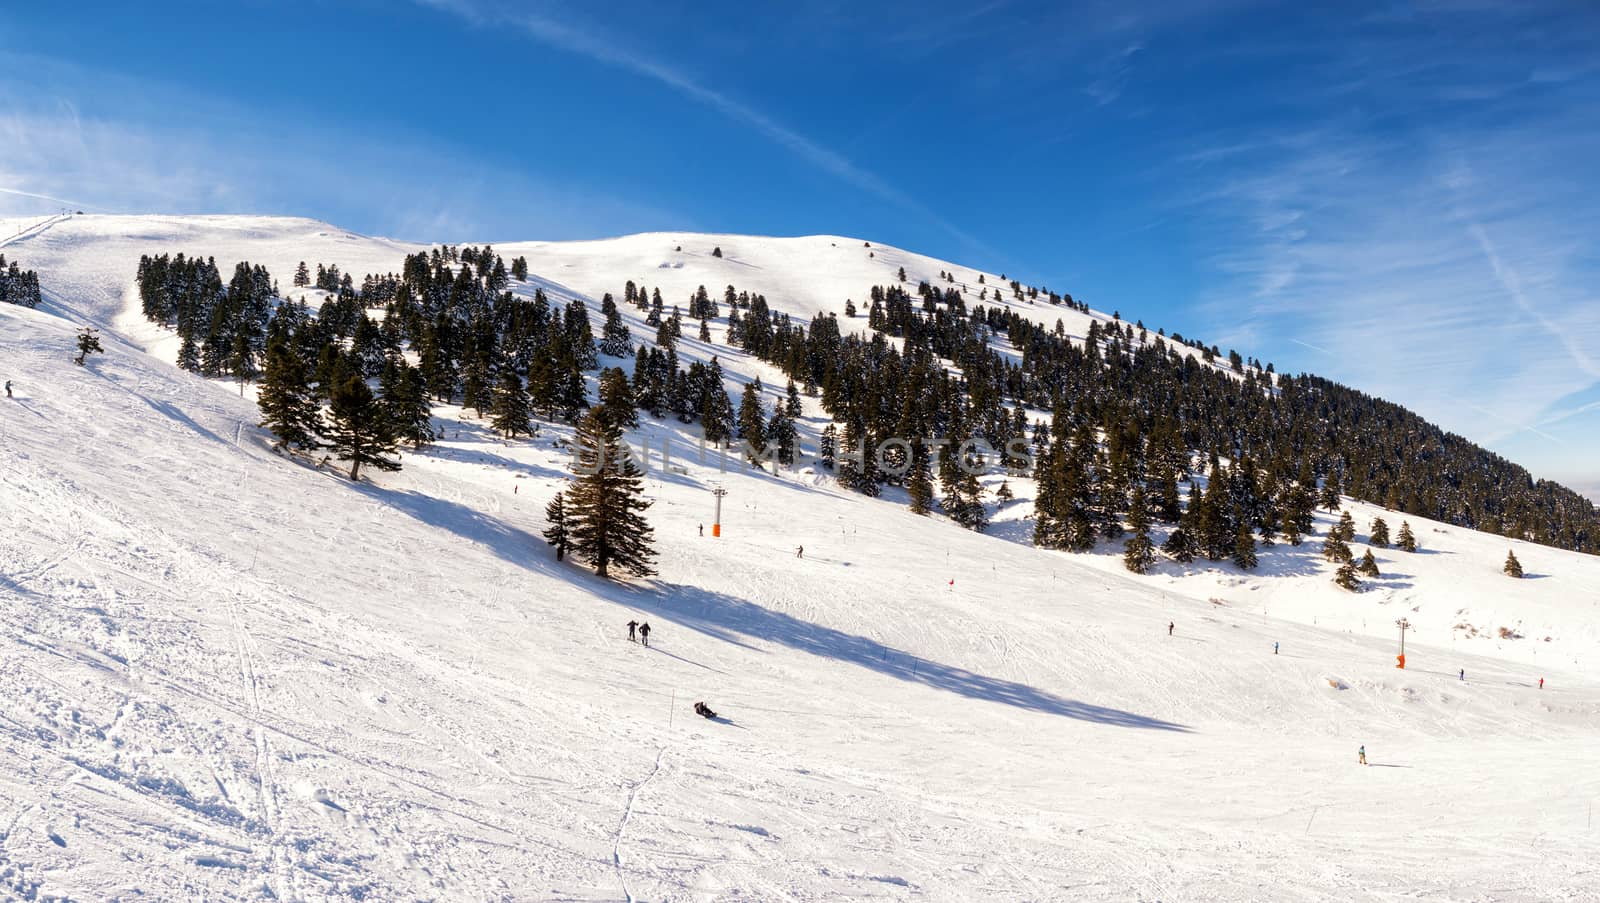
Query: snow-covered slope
point(227, 675)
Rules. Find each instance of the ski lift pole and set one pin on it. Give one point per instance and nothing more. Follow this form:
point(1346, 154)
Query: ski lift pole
point(1404, 625)
point(716, 521)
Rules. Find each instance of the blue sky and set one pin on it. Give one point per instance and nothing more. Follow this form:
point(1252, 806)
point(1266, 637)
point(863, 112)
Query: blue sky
point(1400, 196)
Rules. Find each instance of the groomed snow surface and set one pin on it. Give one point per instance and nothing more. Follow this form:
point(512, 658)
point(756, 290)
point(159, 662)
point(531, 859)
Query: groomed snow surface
point(225, 674)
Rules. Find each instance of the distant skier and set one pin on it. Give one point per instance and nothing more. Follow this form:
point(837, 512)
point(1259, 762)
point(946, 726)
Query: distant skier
point(703, 710)
point(702, 529)
point(8, 388)
point(644, 633)
point(1361, 755)
point(1169, 628)
point(1274, 647)
point(800, 552)
point(633, 627)
point(1541, 683)
point(1463, 673)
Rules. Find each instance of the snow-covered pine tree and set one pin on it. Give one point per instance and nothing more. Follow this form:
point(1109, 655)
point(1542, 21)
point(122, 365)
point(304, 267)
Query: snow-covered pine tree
point(605, 502)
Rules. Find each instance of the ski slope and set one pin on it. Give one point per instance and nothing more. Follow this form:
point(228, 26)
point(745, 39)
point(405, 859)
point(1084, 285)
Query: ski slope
point(227, 675)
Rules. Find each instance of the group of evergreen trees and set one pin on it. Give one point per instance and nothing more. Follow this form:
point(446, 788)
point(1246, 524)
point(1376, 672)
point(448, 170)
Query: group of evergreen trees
point(1122, 390)
point(1112, 423)
point(223, 328)
point(18, 286)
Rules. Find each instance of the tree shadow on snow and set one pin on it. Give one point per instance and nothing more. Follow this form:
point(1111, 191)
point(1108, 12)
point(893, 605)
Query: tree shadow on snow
point(729, 618)
point(738, 621)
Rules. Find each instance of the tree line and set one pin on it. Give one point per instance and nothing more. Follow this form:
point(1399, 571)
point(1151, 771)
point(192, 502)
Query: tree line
point(18, 286)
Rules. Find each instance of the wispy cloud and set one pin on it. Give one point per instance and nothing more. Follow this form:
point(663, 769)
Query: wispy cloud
point(570, 35)
point(1433, 238)
point(221, 159)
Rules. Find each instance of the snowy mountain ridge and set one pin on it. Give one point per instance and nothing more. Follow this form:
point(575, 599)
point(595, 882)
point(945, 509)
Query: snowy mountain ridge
point(233, 676)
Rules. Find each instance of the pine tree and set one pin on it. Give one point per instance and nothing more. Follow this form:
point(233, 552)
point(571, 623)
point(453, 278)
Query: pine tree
point(781, 432)
point(1004, 493)
point(617, 399)
point(1181, 545)
point(793, 400)
point(88, 343)
point(557, 533)
point(287, 406)
point(1346, 528)
point(1139, 553)
point(1244, 549)
point(511, 414)
point(1334, 548)
point(405, 397)
point(1330, 493)
point(359, 429)
point(1513, 567)
point(1368, 565)
point(302, 276)
point(1346, 577)
point(1406, 541)
point(919, 481)
point(1380, 533)
point(242, 361)
point(604, 505)
point(752, 419)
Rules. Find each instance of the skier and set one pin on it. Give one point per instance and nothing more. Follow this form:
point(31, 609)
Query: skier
point(1274, 647)
point(1361, 755)
point(644, 633)
point(632, 626)
point(1463, 673)
point(800, 552)
point(1541, 683)
point(702, 529)
point(703, 710)
point(1169, 628)
point(8, 388)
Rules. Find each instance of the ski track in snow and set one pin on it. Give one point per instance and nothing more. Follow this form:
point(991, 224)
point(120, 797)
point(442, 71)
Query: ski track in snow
point(226, 674)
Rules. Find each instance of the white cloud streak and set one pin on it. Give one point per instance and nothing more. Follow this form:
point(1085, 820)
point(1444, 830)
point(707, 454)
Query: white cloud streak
point(606, 50)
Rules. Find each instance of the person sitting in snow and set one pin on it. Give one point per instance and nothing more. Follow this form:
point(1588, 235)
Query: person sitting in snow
point(703, 710)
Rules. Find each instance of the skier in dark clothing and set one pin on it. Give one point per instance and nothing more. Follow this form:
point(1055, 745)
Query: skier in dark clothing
point(703, 710)
point(8, 388)
point(632, 626)
point(644, 633)
point(800, 552)
point(1169, 628)
point(702, 529)
point(1463, 673)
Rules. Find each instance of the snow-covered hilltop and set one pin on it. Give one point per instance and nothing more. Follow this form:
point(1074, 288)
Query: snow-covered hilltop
point(226, 674)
